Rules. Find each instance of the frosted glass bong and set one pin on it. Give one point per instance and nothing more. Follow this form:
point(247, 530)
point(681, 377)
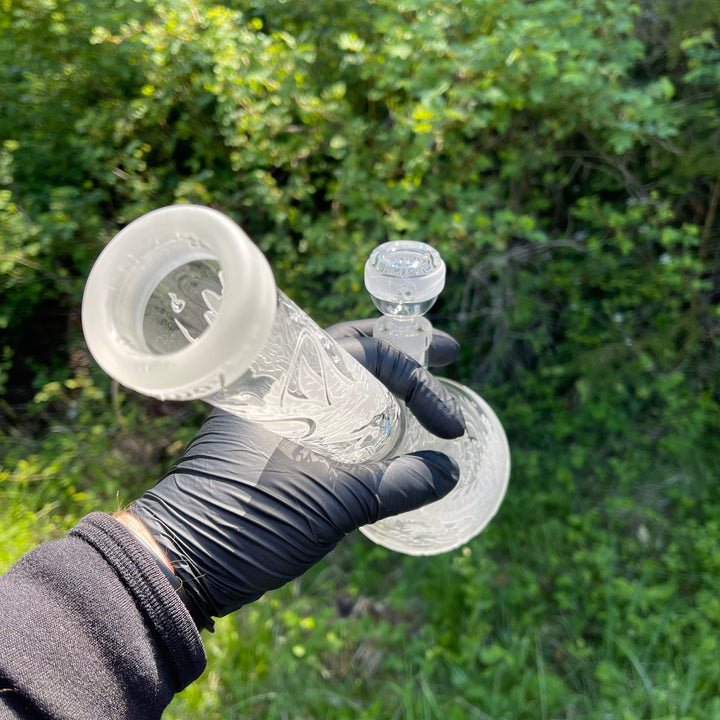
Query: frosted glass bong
point(181, 304)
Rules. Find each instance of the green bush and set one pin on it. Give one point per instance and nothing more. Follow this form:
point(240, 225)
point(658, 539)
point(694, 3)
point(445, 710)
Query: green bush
point(563, 157)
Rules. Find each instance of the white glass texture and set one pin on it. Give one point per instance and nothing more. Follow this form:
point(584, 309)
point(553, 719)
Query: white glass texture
point(406, 273)
point(483, 455)
point(304, 386)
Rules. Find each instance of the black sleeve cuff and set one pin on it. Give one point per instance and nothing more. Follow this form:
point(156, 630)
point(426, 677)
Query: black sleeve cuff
point(155, 597)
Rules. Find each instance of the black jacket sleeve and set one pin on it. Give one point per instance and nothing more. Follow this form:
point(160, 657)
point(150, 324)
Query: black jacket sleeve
point(91, 629)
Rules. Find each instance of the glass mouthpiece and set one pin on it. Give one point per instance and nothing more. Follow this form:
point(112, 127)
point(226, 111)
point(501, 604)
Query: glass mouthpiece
point(181, 304)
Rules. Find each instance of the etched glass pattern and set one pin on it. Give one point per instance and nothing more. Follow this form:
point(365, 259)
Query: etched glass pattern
point(483, 456)
point(302, 385)
point(182, 306)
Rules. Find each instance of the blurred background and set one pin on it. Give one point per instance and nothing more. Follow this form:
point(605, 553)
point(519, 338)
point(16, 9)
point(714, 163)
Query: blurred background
point(564, 157)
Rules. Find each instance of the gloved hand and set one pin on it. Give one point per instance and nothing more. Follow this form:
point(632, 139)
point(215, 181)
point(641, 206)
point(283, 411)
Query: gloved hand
point(245, 511)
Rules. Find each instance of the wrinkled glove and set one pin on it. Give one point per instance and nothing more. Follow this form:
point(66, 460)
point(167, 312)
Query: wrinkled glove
point(245, 510)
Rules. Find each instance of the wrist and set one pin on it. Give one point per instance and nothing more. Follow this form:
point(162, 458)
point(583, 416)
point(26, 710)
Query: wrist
point(141, 532)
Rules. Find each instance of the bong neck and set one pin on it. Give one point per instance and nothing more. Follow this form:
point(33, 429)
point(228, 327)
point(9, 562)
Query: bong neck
point(410, 333)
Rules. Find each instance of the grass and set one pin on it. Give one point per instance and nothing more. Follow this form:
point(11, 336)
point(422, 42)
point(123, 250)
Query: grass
point(591, 596)
point(598, 614)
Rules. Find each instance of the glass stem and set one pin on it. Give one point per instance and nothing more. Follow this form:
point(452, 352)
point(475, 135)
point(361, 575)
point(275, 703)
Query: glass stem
point(410, 333)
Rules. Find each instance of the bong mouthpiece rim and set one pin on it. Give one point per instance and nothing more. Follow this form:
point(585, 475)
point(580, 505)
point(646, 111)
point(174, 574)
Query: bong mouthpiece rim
point(131, 266)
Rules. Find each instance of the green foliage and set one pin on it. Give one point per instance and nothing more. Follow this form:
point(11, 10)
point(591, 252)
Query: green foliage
point(563, 155)
point(82, 447)
point(482, 127)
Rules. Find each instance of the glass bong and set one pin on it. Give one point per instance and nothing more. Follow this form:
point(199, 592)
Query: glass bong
point(182, 305)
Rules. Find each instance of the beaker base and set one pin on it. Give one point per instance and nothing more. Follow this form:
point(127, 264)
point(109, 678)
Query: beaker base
point(483, 455)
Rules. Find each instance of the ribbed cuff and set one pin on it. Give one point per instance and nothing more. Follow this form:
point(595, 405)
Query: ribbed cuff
point(153, 594)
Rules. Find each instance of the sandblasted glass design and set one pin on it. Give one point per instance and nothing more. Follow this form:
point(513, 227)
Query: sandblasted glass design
point(182, 306)
point(302, 385)
point(483, 456)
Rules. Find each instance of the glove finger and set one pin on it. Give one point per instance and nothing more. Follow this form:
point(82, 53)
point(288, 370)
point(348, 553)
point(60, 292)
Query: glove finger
point(443, 347)
point(431, 403)
point(412, 481)
point(378, 490)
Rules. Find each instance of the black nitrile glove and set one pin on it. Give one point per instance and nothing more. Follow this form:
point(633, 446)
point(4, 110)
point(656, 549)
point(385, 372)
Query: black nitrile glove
point(245, 511)
point(431, 404)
